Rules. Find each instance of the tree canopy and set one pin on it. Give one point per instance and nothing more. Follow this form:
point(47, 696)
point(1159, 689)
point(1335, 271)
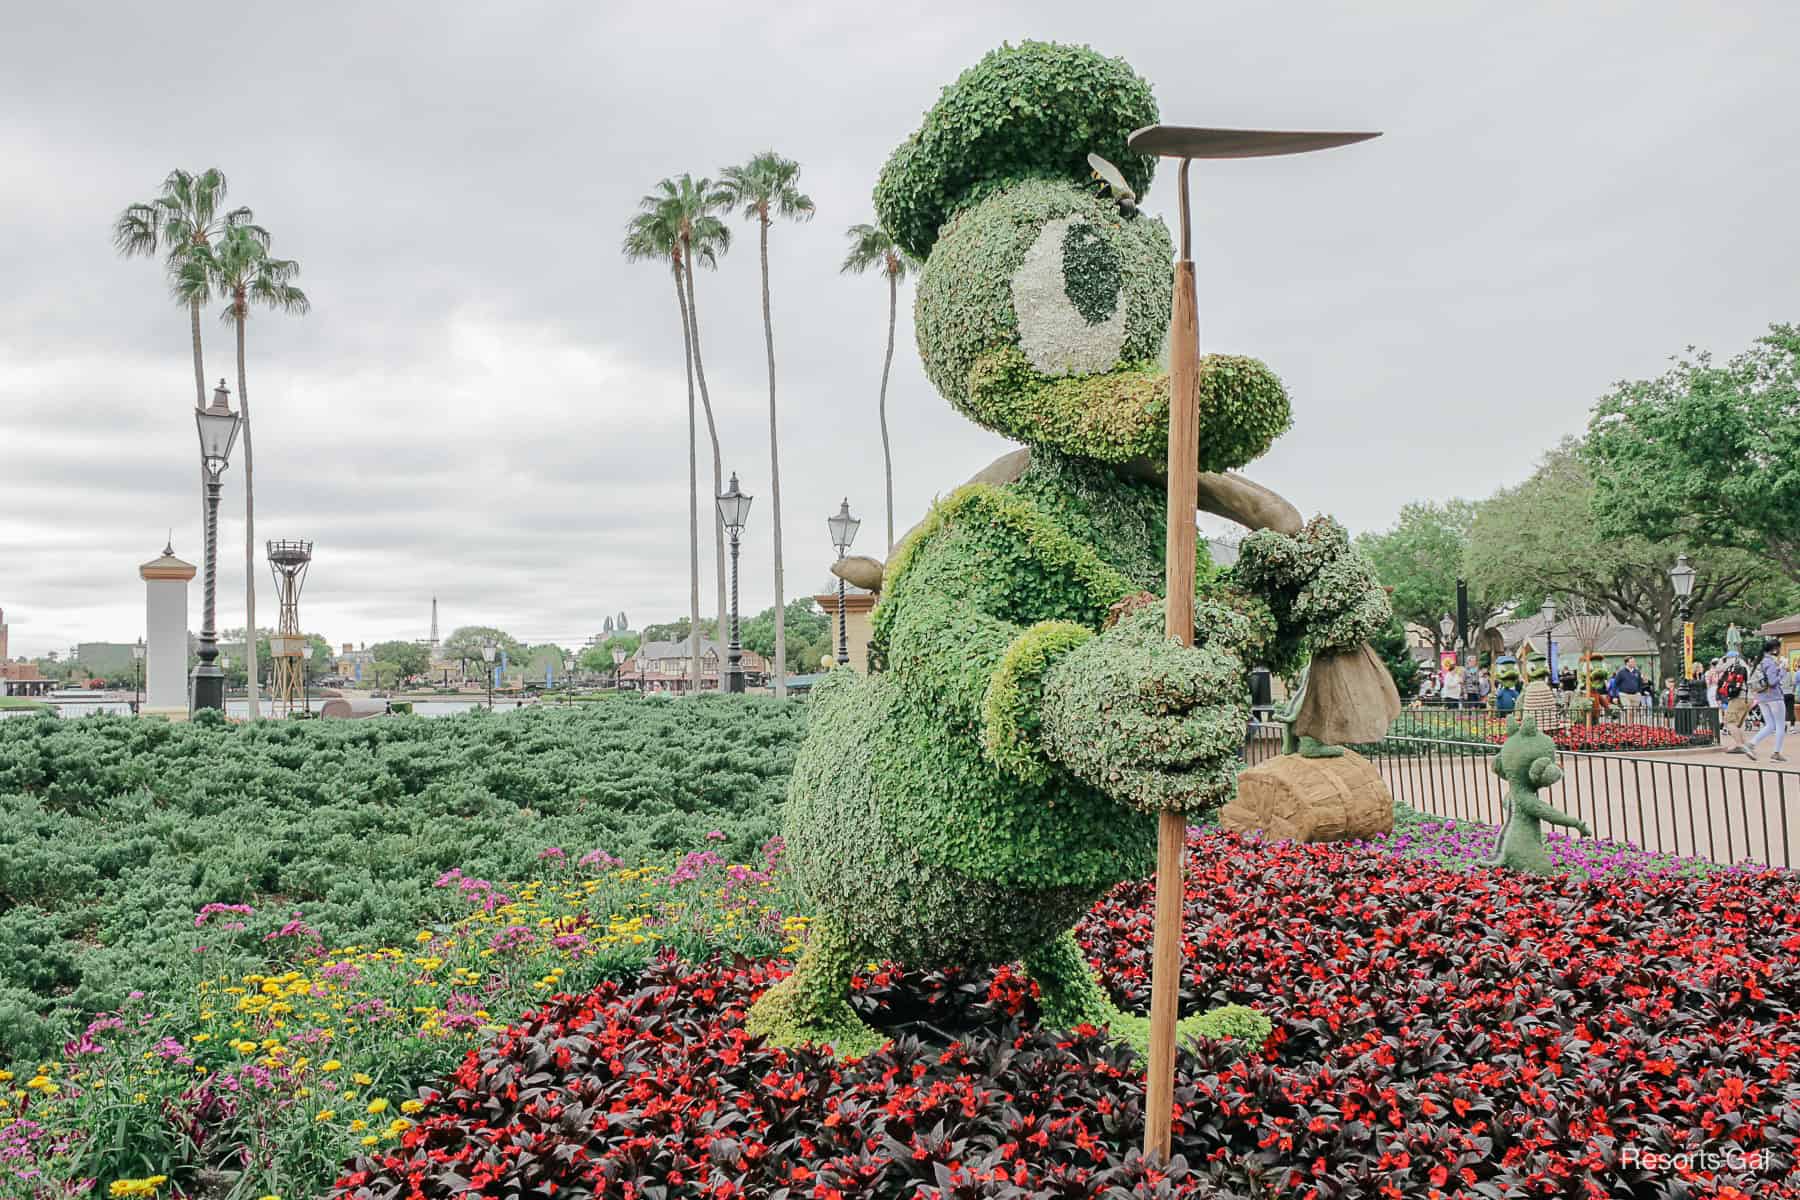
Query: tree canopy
point(466, 641)
point(1542, 537)
point(1707, 450)
point(409, 658)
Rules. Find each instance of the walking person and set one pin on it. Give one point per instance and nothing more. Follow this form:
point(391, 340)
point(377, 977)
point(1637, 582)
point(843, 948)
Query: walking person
point(1628, 685)
point(1766, 680)
point(1734, 699)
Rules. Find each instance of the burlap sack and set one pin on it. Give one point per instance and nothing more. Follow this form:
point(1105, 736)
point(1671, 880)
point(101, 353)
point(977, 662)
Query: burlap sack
point(1350, 698)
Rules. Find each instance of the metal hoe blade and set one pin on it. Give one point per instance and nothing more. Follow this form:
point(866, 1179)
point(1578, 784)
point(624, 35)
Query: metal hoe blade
point(1188, 141)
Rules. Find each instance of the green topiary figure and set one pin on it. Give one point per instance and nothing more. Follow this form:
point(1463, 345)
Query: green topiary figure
point(1004, 766)
point(1527, 761)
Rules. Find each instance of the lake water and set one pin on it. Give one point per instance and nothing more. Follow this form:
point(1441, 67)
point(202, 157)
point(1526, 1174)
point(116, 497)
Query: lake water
point(240, 708)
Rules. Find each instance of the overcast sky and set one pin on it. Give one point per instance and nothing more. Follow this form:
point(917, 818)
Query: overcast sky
point(487, 404)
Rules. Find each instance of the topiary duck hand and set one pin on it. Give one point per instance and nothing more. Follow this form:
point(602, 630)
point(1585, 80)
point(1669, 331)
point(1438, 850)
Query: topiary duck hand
point(1153, 724)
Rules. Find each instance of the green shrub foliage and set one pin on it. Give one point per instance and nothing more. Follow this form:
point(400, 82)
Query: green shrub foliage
point(114, 832)
point(1033, 109)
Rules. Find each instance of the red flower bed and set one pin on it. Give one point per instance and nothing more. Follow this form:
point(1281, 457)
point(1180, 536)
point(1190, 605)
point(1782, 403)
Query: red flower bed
point(1610, 737)
point(1437, 1034)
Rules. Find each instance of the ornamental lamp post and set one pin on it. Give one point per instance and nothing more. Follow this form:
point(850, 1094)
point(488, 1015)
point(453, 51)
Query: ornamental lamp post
point(734, 510)
point(843, 532)
point(487, 656)
point(568, 673)
point(619, 657)
point(1681, 578)
point(306, 653)
point(1548, 612)
point(218, 428)
point(137, 668)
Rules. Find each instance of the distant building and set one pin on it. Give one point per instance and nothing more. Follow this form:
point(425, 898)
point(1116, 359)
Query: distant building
point(1613, 643)
point(665, 667)
point(18, 678)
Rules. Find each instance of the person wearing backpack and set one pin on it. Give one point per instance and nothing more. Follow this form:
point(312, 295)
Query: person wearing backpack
point(1765, 692)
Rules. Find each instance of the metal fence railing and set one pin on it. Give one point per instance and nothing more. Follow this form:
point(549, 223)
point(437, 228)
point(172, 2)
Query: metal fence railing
point(1665, 805)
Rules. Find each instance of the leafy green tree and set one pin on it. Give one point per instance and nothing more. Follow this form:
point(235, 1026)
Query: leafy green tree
point(763, 189)
point(1542, 537)
point(678, 221)
point(598, 659)
point(808, 634)
point(1706, 451)
point(1422, 557)
point(871, 246)
point(410, 657)
point(1396, 655)
point(464, 645)
point(237, 266)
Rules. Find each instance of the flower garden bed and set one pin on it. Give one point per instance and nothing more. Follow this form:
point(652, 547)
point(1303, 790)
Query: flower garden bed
point(1437, 1034)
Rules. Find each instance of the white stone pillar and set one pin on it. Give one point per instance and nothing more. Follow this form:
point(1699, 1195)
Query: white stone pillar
point(166, 582)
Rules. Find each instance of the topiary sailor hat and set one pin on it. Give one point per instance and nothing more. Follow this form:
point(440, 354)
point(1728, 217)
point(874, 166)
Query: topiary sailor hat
point(1032, 110)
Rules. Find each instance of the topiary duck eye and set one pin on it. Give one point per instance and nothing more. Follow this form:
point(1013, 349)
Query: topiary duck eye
point(1066, 296)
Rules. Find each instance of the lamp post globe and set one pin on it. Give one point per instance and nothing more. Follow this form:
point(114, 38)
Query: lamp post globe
point(619, 657)
point(843, 529)
point(734, 511)
point(487, 656)
point(217, 426)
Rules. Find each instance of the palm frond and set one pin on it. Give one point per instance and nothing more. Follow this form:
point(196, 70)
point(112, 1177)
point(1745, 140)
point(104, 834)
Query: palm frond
point(767, 185)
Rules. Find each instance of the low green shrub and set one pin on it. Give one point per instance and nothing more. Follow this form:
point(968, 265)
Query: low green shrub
point(115, 833)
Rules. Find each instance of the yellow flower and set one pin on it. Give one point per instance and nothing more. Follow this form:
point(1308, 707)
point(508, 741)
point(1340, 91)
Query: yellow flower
point(370, 1140)
point(325, 1114)
point(398, 1126)
point(378, 1106)
point(331, 1064)
point(40, 1083)
point(361, 1080)
point(423, 937)
point(6, 1076)
point(412, 1106)
point(138, 1187)
point(202, 1037)
point(358, 1125)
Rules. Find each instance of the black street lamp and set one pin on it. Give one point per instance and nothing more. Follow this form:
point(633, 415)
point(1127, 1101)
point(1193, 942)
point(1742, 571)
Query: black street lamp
point(843, 532)
point(1681, 578)
point(487, 656)
point(568, 671)
point(1548, 611)
point(218, 428)
point(137, 665)
point(306, 653)
point(619, 657)
point(734, 510)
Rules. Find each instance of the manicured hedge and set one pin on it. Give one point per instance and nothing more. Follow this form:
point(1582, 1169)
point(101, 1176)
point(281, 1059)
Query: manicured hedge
point(115, 832)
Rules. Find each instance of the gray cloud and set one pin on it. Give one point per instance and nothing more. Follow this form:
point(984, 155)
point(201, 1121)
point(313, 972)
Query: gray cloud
point(487, 403)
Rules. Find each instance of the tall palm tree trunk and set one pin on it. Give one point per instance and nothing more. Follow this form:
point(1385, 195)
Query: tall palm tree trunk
point(689, 351)
point(249, 526)
point(774, 473)
point(887, 453)
point(698, 366)
point(199, 389)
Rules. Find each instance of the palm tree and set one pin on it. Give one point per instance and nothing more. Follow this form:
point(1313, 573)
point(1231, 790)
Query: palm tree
point(186, 217)
point(654, 234)
point(238, 267)
point(764, 188)
point(693, 205)
point(870, 246)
